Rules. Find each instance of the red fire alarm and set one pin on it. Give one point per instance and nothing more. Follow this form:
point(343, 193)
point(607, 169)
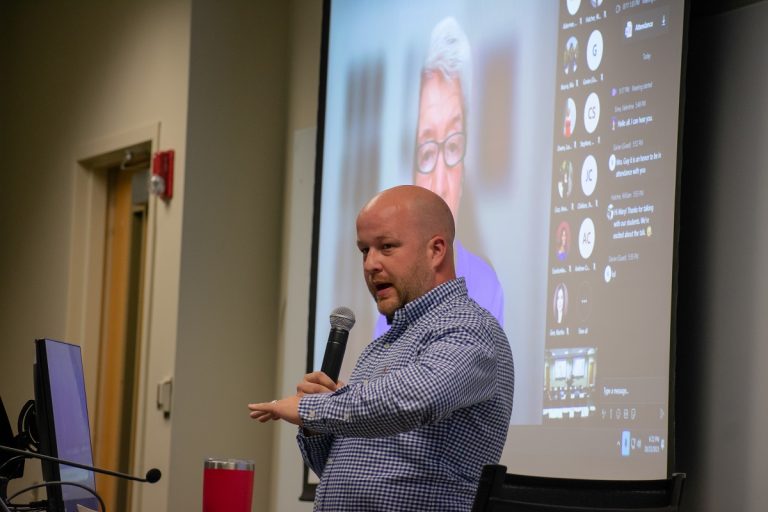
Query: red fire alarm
point(162, 174)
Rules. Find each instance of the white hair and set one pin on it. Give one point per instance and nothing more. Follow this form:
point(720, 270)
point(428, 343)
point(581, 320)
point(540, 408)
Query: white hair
point(449, 54)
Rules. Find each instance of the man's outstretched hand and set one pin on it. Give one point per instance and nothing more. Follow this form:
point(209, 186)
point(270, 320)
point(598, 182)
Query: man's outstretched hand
point(288, 408)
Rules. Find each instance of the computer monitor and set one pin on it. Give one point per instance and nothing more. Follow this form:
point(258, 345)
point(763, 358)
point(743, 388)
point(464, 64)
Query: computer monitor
point(62, 420)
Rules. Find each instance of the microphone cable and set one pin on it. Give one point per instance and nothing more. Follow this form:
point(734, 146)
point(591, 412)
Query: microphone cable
point(55, 482)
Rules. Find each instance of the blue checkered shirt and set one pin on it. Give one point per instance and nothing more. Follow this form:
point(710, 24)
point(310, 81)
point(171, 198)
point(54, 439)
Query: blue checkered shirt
point(427, 405)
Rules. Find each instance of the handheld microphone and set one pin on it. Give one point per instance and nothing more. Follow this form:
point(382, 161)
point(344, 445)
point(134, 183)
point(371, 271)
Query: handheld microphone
point(152, 476)
point(342, 320)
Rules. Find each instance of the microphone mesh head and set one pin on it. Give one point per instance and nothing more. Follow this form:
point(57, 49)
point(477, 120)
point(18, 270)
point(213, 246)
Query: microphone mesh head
point(342, 318)
point(153, 475)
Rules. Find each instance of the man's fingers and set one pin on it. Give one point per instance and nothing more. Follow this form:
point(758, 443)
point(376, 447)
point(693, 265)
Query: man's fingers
point(263, 412)
point(285, 409)
point(310, 388)
point(263, 416)
point(267, 417)
point(322, 379)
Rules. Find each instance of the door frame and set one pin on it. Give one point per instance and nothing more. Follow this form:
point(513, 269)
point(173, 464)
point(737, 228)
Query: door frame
point(86, 268)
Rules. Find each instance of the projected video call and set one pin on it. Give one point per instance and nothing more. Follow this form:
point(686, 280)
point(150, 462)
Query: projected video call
point(550, 128)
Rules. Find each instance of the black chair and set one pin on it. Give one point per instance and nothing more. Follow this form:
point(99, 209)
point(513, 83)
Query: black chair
point(502, 492)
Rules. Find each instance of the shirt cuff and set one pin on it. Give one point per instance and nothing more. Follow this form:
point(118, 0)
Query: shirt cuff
point(310, 411)
point(324, 412)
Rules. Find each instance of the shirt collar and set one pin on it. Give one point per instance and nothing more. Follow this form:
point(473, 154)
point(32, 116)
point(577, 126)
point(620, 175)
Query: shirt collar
point(417, 308)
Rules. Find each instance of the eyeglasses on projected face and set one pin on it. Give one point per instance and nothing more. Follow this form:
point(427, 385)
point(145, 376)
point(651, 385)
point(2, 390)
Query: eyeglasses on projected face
point(452, 147)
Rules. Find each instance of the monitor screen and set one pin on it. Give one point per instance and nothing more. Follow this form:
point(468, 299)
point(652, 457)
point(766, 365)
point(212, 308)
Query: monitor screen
point(557, 152)
point(62, 415)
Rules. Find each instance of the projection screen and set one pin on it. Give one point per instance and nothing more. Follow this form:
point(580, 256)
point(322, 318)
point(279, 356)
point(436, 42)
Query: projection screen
point(567, 199)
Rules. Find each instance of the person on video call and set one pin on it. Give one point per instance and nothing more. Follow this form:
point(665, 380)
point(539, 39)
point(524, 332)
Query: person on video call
point(428, 404)
point(441, 142)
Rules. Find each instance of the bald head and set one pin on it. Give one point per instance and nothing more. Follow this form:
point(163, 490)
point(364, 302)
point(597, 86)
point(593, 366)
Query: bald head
point(426, 211)
point(406, 237)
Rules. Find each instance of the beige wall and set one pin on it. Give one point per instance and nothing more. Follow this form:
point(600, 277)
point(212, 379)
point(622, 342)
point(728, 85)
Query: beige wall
point(230, 264)
point(213, 81)
point(306, 32)
point(76, 76)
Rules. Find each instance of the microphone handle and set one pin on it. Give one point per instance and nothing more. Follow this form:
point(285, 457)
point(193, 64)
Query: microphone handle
point(34, 455)
point(334, 353)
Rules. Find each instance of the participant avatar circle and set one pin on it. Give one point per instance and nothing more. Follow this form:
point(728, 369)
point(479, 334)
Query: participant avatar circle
point(569, 117)
point(573, 6)
point(594, 50)
point(563, 240)
point(591, 112)
point(571, 55)
point(586, 238)
point(589, 175)
point(612, 162)
point(560, 303)
point(565, 179)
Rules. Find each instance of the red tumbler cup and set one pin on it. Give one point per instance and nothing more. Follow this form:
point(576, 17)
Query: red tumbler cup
point(227, 485)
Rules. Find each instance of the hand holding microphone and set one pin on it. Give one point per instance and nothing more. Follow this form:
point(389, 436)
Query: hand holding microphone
point(342, 319)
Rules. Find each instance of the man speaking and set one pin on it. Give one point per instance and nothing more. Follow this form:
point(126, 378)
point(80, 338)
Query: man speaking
point(428, 403)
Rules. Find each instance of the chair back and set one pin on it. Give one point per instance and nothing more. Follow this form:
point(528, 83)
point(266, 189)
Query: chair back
point(502, 492)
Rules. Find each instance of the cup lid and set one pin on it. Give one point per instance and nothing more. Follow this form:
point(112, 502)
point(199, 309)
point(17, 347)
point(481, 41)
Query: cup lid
point(216, 463)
